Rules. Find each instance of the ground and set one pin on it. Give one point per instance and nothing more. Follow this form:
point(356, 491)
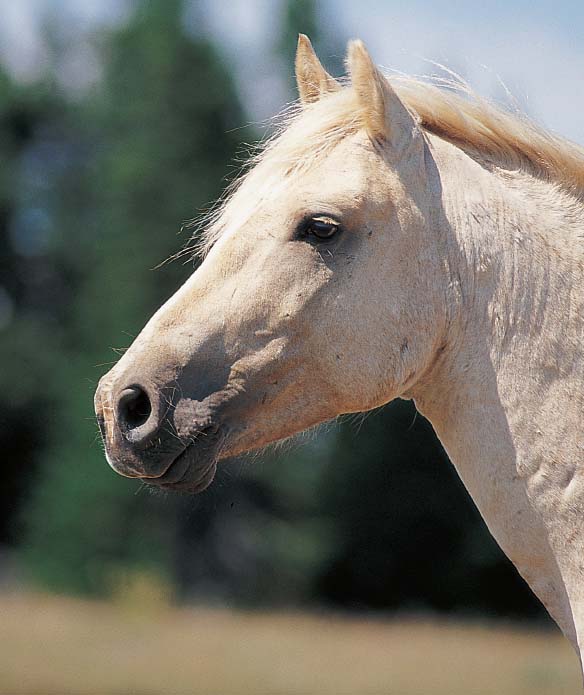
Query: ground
point(61, 646)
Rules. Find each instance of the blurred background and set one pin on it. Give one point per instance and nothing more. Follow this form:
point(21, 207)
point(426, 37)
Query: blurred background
point(343, 563)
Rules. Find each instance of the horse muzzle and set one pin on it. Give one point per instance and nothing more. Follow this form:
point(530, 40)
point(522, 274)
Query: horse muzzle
point(150, 434)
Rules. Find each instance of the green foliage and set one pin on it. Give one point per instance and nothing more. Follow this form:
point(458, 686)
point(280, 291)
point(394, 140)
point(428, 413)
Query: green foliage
point(408, 534)
point(149, 149)
point(29, 338)
point(91, 198)
point(299, 18)
point(302, 17)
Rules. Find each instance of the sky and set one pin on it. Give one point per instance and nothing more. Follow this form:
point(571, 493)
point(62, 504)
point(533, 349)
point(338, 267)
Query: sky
point(536, 49)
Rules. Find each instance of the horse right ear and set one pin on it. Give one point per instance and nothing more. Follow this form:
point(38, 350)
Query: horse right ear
point(312, 79)
point(386, 118)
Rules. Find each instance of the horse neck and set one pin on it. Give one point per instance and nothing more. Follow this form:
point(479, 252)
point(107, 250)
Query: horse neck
point(506, 394)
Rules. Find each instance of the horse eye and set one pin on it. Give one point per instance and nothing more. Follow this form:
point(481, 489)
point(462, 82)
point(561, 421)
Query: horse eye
point(322, 229)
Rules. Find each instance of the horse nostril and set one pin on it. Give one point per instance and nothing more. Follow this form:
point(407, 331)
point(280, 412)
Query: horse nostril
point(134, 408)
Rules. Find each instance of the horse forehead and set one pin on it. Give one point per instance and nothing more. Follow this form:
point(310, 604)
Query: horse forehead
point(345, 172)
point(344, 177)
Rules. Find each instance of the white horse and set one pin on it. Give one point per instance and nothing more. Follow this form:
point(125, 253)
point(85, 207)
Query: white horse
point(394, 240)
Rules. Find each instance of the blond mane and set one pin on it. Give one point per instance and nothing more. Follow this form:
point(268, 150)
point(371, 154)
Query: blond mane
point(447, 108)
point(452, 110)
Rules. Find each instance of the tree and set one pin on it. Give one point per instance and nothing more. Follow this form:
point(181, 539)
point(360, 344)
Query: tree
point(408, 534)
point(302, 17)
point(30, 278)
point(152, 145)
point(370, 516)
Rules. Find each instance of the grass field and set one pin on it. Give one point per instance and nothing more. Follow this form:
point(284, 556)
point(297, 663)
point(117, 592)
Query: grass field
point(60, 646)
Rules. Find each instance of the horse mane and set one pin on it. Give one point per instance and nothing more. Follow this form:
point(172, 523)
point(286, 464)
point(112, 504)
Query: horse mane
point(448, 108)
point(454, 112)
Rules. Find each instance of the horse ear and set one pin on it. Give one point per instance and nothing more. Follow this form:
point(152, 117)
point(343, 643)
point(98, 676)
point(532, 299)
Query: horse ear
point(386, 118)
point(312, 79)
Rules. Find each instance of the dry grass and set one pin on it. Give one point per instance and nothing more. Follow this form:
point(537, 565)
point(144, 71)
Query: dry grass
point(61, 646)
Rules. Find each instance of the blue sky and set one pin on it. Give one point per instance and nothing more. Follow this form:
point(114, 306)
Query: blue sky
point(535, 48)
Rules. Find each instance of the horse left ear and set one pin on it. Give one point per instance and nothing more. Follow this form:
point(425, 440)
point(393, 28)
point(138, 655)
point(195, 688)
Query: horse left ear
point(312, 79)
point(386, 118)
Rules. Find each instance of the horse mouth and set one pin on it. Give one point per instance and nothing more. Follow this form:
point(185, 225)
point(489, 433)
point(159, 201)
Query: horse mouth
point(186, 473)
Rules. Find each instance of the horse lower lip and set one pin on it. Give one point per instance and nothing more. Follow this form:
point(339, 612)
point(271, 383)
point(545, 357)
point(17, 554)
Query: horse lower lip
point(182, 474)
point(193, 486)
point(176, 470)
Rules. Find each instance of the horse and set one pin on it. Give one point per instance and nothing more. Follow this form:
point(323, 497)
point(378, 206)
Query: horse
point(394, 239)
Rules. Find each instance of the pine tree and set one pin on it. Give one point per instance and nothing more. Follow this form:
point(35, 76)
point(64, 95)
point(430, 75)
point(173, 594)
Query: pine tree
point(154, 142)
point(29, 277)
